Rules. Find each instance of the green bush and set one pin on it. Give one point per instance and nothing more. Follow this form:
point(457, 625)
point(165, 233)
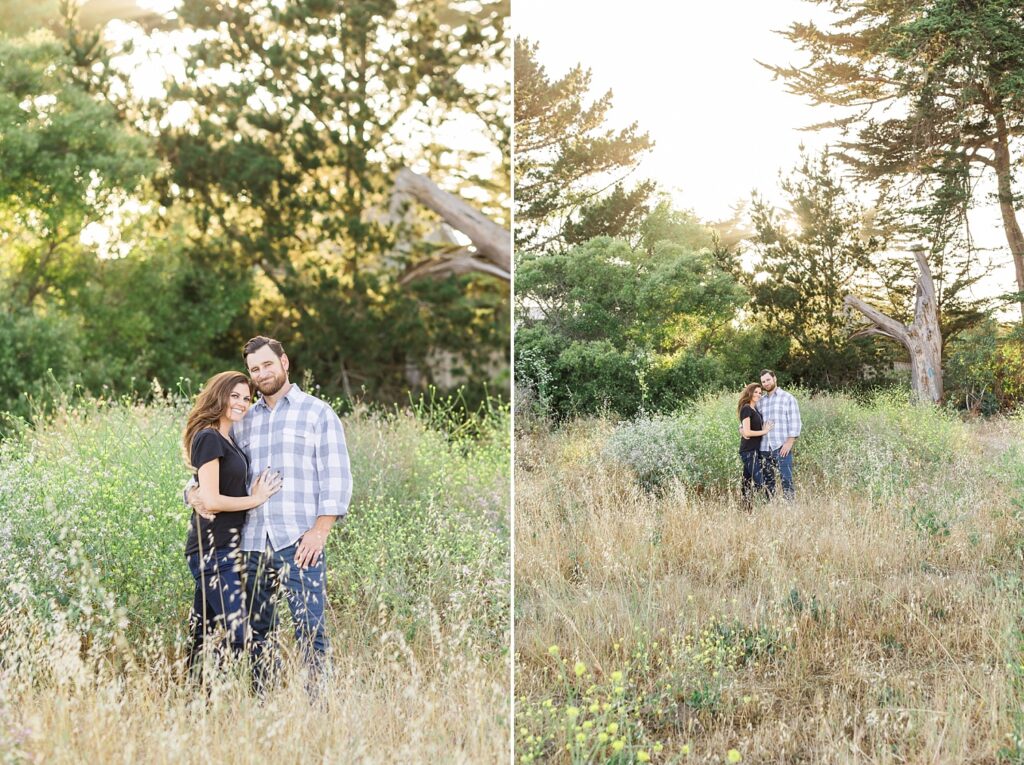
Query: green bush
point(36, 350)
point(984, 368)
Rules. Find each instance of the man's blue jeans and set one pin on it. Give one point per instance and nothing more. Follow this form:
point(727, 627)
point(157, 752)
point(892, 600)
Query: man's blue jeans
point(218, 606)
point(772, 461)
point(305, 589)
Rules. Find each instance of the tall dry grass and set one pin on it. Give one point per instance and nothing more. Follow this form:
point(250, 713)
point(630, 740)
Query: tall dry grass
point(849, 626)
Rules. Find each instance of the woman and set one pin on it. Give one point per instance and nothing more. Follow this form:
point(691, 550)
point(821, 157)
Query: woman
point(222, 472)
point(751, 430)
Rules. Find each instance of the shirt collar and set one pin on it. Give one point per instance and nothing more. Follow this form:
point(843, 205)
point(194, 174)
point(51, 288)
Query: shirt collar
point(293, 396)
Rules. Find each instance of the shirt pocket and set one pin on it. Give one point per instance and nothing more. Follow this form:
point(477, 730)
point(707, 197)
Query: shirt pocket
point(296, 443)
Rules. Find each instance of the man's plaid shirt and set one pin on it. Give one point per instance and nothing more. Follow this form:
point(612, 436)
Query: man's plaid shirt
point(303, 438)
point(781, 409)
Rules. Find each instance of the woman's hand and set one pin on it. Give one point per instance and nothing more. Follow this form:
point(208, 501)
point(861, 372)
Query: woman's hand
point(266, 485)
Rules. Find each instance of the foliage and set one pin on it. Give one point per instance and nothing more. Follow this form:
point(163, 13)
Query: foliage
point(287, 166)
point(253, 198)
point(810, 256)
point(93, 522)
point(35, 349)
point(603, 323)
point(929, 89)
point(565, 154)
point(67, 162)
point(985, 369)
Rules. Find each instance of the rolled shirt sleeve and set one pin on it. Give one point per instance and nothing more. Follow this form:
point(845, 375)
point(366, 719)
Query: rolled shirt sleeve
point(332, 465)
point(795, 424)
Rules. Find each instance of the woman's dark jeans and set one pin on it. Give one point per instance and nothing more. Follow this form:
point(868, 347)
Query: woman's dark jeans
point(752, 479)
point(219, 616)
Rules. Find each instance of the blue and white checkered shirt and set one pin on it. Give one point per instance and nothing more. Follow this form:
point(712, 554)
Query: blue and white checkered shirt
point(781, 409)
point(303, 438)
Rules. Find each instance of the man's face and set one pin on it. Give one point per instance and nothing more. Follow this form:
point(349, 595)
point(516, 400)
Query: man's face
point(268, 372)
point(767, 383)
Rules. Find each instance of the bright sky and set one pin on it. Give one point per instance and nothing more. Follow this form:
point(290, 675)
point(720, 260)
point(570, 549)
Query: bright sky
point(688, 74)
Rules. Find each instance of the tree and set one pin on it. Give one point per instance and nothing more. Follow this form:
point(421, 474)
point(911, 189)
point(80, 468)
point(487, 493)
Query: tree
point(493, 254)
point(68, 161)
point(810, 255)
point(936, 87)
point(301, 117)
point(922, 338)
point(567, 158)
point(600, 322)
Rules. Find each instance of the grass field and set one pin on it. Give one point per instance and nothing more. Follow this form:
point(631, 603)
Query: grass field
point(875, 619)
point(97, 593)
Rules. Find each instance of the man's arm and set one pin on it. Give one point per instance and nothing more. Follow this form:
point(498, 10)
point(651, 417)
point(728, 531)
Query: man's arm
point(795, 426)
point(335, 476)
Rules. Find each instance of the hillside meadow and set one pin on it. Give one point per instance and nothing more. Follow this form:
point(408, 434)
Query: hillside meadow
point(875, 619)
point(93, 615)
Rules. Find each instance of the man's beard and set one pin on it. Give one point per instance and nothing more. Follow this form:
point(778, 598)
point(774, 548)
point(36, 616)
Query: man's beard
point(272, 386)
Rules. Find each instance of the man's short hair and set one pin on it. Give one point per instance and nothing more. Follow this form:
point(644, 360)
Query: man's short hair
point(258, 342)
point(763, 372)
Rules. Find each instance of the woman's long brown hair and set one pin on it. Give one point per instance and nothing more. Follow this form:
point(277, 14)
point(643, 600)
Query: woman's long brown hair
point(746, 396)
point(211, 403)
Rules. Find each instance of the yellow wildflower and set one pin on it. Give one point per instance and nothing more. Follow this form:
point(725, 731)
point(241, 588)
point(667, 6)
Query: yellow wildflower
point(642, 756)
point(733, 756)
point(617, 745)
point(580, 668)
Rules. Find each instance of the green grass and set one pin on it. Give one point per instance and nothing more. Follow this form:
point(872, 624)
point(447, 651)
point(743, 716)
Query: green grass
point(93, 527)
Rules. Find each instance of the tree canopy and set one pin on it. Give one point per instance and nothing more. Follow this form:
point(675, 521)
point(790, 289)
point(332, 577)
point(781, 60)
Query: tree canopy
point(567, 157)
point(930, 90)
point(256, 195)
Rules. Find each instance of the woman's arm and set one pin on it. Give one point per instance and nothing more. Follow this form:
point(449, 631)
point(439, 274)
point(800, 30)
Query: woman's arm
point(264, 488)
point(748, 433)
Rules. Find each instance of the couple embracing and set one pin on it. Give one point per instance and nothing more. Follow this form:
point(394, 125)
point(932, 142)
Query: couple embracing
point(769, 426)
point(270, 479)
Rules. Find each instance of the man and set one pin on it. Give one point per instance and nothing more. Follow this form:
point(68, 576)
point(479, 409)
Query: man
point(283, 540)
point(780, 408)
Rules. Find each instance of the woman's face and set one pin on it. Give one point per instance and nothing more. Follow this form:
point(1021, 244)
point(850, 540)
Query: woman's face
point(756, 396)
point(238, 402)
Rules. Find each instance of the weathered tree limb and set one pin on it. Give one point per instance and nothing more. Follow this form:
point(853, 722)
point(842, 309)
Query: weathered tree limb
point(922, 338)
point(461, 262)
point(883, 325)
point(492, 242)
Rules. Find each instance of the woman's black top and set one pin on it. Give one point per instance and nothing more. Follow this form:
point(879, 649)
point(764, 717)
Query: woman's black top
point(225, 530)
point(751, 444)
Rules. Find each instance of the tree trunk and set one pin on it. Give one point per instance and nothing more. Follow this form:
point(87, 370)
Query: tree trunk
point(922, 339)
point(492, 242)
point(1014, 236)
